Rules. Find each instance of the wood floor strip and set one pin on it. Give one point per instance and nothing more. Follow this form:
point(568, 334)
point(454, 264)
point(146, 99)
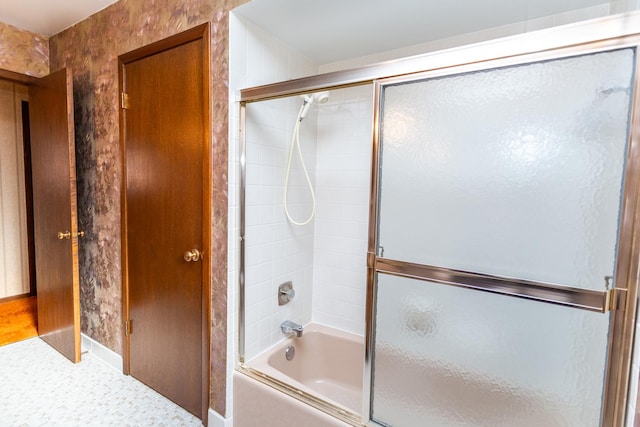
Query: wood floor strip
point(18, 320)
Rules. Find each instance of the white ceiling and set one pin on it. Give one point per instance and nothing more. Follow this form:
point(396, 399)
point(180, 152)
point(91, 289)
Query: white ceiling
point(327, 30)
point(333, 30)
point(48, 17)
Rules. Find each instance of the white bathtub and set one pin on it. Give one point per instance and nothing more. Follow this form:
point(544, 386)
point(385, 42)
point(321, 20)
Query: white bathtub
point(328, 365)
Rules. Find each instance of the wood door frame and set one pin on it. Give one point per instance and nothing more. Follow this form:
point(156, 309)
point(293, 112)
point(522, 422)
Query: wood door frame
point(17, 77)
point(28, 185)
point(202, 32)
point(23, 79)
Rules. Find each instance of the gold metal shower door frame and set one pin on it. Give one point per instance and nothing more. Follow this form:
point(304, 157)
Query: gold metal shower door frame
point(598, 35)
point(620, 300)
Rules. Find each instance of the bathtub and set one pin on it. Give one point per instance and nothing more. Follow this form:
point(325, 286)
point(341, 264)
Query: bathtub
point(325, 372)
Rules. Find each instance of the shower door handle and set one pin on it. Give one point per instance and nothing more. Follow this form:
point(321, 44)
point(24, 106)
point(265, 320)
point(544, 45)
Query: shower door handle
point(193, 255)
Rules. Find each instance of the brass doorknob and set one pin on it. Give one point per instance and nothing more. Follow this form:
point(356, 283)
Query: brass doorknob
point(65, 235)
point(192, 255)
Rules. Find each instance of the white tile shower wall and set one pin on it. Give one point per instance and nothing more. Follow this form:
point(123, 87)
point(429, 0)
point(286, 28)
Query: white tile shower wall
point(621, 6)
point(276, 251)
point(343, 174)
point(266, 58)
point(255, 58)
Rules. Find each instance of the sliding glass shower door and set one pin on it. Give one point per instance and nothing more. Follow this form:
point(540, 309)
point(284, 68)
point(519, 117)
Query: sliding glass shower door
point(499, 203)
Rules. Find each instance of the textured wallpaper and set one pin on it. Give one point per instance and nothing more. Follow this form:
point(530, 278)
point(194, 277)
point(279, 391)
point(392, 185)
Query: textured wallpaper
point(23, 52)
point(91, 49)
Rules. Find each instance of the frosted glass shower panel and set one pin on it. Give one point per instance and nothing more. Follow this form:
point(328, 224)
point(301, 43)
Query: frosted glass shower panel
point(445, 356)
point(513, 171)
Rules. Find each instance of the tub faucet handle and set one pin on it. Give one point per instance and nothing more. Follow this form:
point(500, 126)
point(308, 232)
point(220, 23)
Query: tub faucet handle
point(290, 328)
point(285, 293)
point(290, 293)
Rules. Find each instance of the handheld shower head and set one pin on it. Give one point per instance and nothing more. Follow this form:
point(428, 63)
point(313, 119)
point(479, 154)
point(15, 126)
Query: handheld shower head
point(312, 98)
point(321, 97)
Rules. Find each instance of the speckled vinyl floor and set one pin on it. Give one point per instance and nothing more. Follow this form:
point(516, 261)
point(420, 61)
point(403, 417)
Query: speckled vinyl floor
point(39, 387)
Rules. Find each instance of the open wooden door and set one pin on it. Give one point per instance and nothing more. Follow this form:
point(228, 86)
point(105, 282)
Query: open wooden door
point(55, 212)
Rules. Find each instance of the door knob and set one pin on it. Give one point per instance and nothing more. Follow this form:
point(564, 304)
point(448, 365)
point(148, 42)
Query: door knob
point(192, 255)
point(65, 235)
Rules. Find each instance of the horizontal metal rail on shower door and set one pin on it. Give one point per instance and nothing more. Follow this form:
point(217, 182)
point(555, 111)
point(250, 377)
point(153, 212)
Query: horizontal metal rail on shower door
point(585, 299)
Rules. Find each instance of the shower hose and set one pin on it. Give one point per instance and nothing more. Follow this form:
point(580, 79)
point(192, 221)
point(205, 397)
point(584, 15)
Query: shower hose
point(295, 143)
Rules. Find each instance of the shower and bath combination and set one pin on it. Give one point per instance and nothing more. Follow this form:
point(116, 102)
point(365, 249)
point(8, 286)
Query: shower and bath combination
point(307, 101)
point(398, 190)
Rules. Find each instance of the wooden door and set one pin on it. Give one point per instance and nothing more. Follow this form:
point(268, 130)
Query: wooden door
point(166, 160)
point(55, 212)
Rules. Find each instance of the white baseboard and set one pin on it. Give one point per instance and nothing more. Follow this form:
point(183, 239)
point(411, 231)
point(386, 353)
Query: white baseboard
point(217, 420)
point(101, 352)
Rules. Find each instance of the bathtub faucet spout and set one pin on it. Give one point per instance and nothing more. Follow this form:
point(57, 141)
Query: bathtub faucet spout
point(289, 328)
